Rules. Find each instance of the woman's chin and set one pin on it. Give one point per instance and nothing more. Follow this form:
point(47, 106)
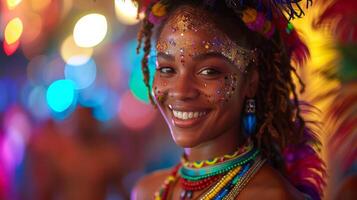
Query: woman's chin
point(185, 142)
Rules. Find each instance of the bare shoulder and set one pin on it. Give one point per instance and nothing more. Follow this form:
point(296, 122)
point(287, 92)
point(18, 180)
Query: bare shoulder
point(149, 184)
point(268, 183)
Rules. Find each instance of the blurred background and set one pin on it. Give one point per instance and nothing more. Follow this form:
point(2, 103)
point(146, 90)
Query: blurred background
point(74, 113)
point(75, 121)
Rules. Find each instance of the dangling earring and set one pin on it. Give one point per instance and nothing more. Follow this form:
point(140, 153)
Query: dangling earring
point(249, 119)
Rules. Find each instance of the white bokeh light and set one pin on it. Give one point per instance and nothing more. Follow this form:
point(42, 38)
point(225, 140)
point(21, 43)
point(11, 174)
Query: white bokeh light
point(73, 54)
point(126, 12)
point(90, 30)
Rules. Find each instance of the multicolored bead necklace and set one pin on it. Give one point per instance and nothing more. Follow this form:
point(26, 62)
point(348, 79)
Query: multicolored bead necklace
point(162, 193)
point(228, 175)
point(204, 163)
point(194, 174)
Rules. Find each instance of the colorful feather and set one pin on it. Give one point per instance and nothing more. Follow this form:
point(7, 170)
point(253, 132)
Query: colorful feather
point(340, 19)
point(290, 8)
point(305, 169)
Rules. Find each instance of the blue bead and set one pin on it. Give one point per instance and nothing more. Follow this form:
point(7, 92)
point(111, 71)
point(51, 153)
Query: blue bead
point(222, 193)
point(250, 123)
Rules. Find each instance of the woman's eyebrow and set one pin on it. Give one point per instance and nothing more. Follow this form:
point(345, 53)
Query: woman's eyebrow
point(206, 55)
point(165, 56)
point(197, 57)
point(212, 54)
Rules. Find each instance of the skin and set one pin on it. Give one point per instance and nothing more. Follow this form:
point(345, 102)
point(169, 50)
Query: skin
point(194, 79)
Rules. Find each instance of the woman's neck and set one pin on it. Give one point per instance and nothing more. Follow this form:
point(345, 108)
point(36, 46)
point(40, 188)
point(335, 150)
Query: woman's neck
point(225, 143)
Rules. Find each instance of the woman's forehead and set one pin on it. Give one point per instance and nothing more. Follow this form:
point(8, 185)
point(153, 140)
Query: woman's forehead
point(190, 31)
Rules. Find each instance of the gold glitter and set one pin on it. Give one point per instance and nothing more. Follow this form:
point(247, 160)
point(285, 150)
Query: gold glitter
point(190, 19)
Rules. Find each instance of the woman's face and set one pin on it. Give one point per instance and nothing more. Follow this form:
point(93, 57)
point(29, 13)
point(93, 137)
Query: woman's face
point(200, 81)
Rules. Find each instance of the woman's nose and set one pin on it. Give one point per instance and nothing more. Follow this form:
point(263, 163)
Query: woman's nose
point(184, 88)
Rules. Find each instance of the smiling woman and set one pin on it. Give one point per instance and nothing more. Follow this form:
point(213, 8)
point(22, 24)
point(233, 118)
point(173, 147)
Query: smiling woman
point(223, 84)
point(198, 75)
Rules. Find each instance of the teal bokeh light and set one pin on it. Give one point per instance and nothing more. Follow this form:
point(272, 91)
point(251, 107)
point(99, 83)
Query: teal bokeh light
point(61, 95)
point(133, 64)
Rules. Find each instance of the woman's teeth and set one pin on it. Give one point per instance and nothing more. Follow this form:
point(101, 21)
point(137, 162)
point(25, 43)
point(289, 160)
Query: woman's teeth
point(188, 115)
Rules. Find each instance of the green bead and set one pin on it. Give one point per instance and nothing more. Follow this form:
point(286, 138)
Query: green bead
point(197, 174)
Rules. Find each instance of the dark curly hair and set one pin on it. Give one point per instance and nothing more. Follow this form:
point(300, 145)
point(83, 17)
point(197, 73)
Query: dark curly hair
point(279, 120)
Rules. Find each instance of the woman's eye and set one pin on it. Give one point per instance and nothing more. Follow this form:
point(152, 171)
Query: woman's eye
point(209, 71)
point(166, 70)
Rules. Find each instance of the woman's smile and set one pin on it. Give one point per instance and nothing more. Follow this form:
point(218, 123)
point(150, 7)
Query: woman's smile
point(187, 117)
point(198, 88)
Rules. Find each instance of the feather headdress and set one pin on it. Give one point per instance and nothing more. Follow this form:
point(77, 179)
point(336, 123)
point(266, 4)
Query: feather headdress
point(340, 19)
point(266, 17)
point(305, 169)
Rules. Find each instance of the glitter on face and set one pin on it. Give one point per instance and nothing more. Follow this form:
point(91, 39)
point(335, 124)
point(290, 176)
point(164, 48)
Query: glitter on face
point(190, 20)
point(227, 88)
point(159, 95)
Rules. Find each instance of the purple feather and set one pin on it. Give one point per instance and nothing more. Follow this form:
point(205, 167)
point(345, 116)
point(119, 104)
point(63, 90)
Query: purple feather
point(305, 168)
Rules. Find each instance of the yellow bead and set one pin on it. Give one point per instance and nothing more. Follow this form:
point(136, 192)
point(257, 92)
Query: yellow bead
point(198, 164)
point(171, 178)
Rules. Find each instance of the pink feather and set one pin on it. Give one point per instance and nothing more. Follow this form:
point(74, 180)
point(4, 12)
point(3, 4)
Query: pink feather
point(305, 169)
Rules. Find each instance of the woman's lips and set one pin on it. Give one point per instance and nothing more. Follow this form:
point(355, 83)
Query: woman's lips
point(187, 119)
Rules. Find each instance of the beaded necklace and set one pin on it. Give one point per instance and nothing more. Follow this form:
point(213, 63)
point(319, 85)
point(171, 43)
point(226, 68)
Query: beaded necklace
point(204, 163)
point(230, 188)
point(162, 193)
point(194, 174)
point(228, 177)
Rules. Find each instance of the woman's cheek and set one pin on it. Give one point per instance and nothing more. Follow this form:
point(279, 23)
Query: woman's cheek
point(222, 90)
point(160, 89)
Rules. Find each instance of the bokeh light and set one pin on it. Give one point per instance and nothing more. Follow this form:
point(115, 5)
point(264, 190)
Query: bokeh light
point(126, 12)
point(129, 60)
point(17, 131)
point(132, 63)
point(90, 30)
point(73, 54)
point(106, 110)
point(11, 4)
point(61, 95)
point(36, 102)
point(94, 95)
point(8, 93)
point(134, 114)
point(10, 49)
point(44, 69)
point(3, 96)
point(40, 5)
point(137, 86)
point(53, 70)
point(13, 30)
point(82, 75)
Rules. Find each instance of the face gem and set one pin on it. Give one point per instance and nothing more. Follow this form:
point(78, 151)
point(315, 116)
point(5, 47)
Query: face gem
point(229, 85)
